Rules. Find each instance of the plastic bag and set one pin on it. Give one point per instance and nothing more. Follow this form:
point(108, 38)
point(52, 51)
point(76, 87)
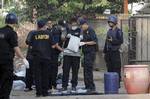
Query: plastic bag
point(21, 72)
point(18, 85)
point(74, 43)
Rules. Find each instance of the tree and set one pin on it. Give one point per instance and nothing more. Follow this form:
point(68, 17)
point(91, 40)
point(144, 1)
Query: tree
point(67, 8)
point(8, 2)
point(56, 8)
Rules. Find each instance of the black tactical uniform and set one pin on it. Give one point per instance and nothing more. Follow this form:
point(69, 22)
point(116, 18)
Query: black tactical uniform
point(89, 52)
point(8, 41)
point(41, 43)
point(111, 48)
point(29, 79)
point(56, 34)
point(112, 53)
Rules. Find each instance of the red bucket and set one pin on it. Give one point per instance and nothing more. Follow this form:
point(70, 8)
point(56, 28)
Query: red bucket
point(136, 79)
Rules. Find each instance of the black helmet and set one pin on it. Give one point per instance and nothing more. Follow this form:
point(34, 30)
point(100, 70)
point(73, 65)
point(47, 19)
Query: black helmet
point(11, 18)
point(113, 19)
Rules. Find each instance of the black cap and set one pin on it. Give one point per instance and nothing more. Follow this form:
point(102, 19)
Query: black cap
point(41, 23)
point(82, 21)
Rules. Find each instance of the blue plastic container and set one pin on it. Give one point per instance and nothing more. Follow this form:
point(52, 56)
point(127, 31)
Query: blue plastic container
point(111, 83)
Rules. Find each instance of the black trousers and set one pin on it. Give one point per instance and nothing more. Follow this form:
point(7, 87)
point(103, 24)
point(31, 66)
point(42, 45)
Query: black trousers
point(68, 63)
point(41, 74)
point(6, 79)
point(29, 74)
point(88, 62)
point(113, 62)
point(15, 77)
point(54, 69)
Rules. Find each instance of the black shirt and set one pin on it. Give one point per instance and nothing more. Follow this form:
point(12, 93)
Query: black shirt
point(29, 52)
point(89, 35)
point(56, 34)
point(8, 40)
point(41, 42)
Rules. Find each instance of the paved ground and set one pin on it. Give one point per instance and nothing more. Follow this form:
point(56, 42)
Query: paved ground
point(145, 96)
point(98, 76)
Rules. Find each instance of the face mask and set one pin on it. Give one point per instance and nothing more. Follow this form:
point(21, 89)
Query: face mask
point(74, 27)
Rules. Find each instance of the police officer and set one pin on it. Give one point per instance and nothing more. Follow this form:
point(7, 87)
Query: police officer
point(29, 79)
point(113, 42)
point(8, 48)
point(71, 60)
point(56, 34)
point(42, 43)
point(89, 51)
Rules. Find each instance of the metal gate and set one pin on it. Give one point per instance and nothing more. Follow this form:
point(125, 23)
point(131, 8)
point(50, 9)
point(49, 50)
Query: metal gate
point(139, 40)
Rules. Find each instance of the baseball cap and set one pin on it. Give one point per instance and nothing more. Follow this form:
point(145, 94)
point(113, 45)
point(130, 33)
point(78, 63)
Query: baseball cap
point(41, 23)
point(82, 21)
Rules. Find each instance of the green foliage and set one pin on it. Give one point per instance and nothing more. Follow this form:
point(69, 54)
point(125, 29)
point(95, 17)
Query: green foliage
point(53, 2)
point(2, 23)
point(7, 2)
point(98, 6)
point(125, 30)
point(66, 8)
